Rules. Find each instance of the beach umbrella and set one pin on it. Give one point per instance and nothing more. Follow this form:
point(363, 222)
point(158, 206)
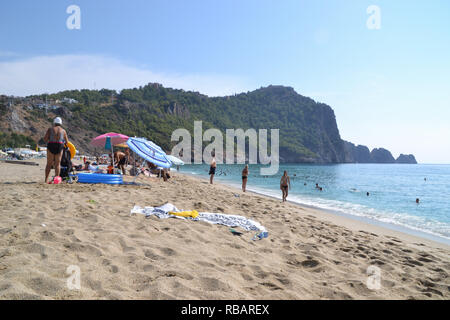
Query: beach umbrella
point(149, 151)
point(109, 140)
point(111, 137)
point(175, 160)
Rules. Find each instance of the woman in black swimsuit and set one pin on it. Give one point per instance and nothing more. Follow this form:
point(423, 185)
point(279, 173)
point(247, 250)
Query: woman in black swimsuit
point(212, 169)
point(245, 174)
point(55, 137)
point(285, 185)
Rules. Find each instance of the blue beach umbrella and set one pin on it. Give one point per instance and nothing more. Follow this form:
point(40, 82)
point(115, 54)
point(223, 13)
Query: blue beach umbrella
point(175, 161)
point(149, 151)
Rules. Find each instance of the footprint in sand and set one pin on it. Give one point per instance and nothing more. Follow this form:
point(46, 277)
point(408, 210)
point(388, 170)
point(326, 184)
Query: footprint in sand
point(310, 263)
point(205, 264)
point(168, 251)
point(45, 286)
point(246, 276)
point(148, 267)
point(213, 284)
point(271, 286)
point(426, 260)
point(37, 249)
point(150, 254)
point(114, 269)
point(124, 246)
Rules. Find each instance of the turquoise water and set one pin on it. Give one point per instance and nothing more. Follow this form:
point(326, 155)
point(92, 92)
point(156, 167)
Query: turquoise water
point(393, 191)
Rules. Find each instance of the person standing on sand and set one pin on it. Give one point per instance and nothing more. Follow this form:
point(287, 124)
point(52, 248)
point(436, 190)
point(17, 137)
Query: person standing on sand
point(285, 185)
point(212, 169)
point(122, 159)
point(55, 137)
point(245, 174)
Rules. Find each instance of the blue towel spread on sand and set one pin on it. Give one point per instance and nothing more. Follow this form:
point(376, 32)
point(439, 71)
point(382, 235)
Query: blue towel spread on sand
point(162, 212)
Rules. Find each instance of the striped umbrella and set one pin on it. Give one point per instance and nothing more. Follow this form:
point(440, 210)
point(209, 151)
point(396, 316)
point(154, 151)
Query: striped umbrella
point(149, 151)
point(175, 160)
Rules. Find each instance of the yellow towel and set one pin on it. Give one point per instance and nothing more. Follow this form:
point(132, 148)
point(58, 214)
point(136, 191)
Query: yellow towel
point(186, 214)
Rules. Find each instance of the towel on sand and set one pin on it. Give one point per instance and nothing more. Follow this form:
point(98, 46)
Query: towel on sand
point(229, 220)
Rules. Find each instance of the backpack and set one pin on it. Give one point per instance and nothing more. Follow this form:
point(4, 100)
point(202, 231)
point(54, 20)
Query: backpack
point(66, 163)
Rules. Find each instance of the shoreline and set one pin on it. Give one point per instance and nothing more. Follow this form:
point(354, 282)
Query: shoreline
point(349, 220)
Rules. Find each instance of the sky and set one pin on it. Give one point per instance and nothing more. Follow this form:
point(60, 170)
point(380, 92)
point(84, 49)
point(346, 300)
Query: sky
point(389, 86)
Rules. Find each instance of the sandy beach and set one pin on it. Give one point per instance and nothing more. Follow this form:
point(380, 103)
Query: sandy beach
point(309, 254)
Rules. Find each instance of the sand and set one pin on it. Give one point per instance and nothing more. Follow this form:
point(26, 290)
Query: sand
point(309, 254)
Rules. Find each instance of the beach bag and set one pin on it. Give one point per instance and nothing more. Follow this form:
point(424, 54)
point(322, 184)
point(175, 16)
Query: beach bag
point(66, 163)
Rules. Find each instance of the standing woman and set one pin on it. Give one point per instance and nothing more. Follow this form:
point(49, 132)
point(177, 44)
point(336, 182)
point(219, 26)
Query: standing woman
point(245, 174)
point(55, 138)
point(285, 185)
point(212, 169)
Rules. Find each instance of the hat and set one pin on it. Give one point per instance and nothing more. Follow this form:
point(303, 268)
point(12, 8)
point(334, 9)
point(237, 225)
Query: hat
point(57, 121)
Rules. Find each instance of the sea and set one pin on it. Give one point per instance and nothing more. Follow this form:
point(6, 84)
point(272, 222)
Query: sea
point(393, 190)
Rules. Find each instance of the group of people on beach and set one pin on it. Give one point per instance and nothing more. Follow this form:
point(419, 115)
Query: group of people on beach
point(56, 137)
point(285, 182)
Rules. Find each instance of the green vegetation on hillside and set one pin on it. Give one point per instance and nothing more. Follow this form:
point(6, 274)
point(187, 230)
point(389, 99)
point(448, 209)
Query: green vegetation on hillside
point(308, 130)
point(15, 140)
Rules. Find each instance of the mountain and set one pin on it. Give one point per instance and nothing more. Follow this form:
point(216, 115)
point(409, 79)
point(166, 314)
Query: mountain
point(308, 129)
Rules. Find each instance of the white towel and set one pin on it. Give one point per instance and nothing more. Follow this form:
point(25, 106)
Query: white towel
point(229, 220)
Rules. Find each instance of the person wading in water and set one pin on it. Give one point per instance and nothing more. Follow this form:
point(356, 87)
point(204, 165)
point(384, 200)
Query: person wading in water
point(285, 185)
point(212, 169)
point(245, 174)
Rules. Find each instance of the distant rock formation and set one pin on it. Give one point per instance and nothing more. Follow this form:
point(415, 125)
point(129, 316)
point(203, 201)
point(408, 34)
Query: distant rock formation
point(356, 154)
point(406, 158)
point(380, 155)
point(362, 154)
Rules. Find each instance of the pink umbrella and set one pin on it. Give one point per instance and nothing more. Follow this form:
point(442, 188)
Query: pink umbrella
point(115, 138)
point(108, 140)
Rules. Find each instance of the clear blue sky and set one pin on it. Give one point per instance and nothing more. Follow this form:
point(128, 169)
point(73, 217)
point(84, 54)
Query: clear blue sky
point(389, 87)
